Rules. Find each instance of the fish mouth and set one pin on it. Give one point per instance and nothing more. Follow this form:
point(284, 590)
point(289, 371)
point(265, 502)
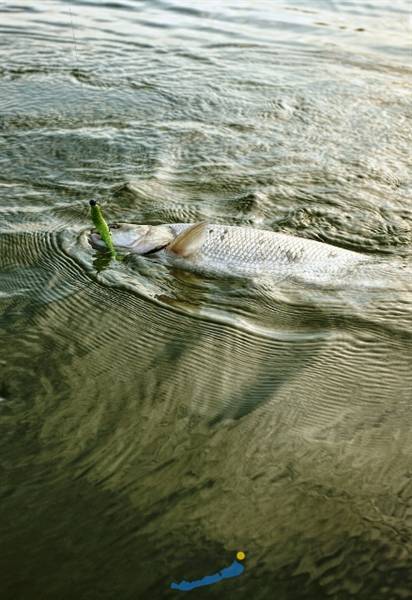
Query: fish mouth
point(96, 241)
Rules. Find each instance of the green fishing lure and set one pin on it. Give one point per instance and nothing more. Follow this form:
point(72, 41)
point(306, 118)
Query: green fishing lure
point(101, 226)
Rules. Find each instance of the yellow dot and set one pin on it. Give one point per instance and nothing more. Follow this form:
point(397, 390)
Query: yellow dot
point(240, 555)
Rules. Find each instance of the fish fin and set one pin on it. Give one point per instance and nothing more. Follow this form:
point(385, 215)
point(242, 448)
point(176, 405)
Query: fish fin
point(189, 241)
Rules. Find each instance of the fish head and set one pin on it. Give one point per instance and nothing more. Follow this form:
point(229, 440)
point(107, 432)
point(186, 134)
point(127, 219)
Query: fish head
point(139, 239)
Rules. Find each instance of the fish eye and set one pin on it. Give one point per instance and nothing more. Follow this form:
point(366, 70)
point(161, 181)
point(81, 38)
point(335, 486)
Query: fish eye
point(114, 226)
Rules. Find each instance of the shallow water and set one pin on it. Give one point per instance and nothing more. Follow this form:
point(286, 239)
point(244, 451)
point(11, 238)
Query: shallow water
point(154, 421)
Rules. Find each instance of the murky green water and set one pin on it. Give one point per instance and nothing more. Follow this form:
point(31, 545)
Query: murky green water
point(154, 422)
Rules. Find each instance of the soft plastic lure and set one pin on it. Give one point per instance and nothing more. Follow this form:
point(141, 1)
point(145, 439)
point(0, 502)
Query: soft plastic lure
point(101, 226)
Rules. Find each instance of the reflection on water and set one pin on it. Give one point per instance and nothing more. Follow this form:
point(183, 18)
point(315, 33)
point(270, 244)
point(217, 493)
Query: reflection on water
point(153, 421)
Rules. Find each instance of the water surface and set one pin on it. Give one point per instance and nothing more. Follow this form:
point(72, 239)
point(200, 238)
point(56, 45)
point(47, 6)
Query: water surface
point(154, 422)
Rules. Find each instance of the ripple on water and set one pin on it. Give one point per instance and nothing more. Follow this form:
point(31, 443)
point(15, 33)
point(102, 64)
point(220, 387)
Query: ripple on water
point(155, 420)
point(278, 331)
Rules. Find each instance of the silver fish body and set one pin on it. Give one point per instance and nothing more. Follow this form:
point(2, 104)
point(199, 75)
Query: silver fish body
point(246, 247)
point(232, 248)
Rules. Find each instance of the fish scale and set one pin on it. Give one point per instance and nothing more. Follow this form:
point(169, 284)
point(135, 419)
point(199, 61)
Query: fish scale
point(247, 248)
point(244, 250)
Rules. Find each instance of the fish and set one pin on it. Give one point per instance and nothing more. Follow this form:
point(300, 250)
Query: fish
point(229, 248)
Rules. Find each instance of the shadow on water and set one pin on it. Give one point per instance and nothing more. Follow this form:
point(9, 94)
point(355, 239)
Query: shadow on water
point(175, 439)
